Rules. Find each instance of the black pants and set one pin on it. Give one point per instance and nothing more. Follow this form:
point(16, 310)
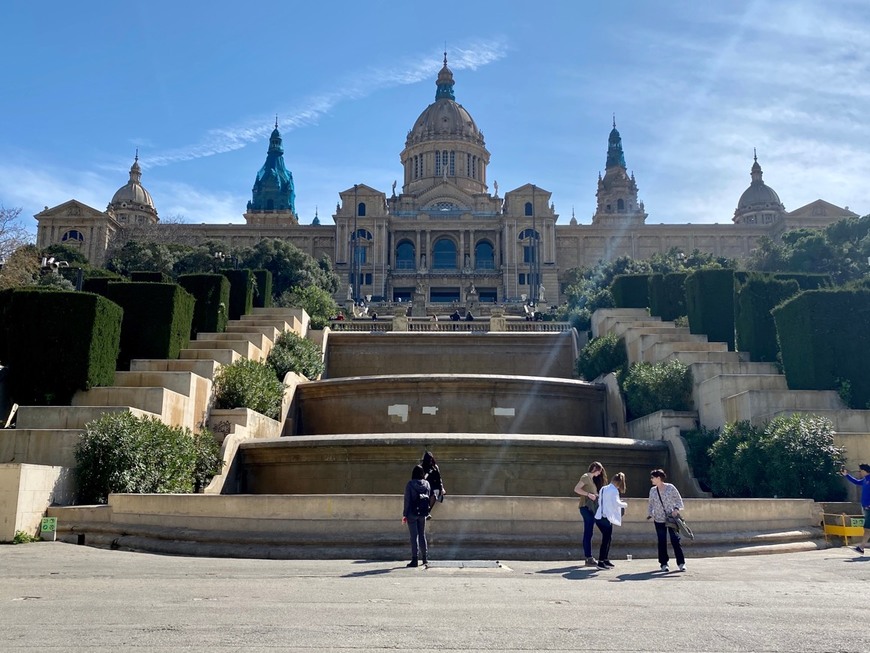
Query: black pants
point(606, 538)
point(662, 532)
point(417, 530)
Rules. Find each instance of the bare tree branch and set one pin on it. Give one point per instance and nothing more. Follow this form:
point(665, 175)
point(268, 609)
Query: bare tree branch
point(12, 233)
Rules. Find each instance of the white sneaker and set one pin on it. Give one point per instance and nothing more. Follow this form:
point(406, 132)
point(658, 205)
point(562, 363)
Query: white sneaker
point(665, 568)
point(682, 567)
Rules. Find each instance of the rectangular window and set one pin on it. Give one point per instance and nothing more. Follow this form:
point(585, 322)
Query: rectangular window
point(521, 279)
point(453, 164)
point(528, 254)
point(360, 254)
point(467, 165)
point(437, 164)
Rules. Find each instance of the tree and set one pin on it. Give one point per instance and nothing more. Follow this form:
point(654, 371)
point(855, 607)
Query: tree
point(12, 233)
point(21, 268)
point(291, 268)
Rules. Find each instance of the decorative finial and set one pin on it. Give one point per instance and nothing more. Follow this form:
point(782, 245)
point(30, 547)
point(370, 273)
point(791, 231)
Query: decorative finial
point(445, 53)
point(276, 121)
point(136, 158)
point(754, 155)
point(614, 120)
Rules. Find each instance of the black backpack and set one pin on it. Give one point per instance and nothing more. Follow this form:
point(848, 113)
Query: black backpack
point(420, 504)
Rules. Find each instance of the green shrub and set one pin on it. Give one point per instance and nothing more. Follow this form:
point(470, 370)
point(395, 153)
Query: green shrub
point(249, 384)
point(710, 304)
point(630, 290)
point(698, 443)
point(317, 302)
point(262, 289)
point(212, 294)
point(601, 356)
point(120, 452)
point(22, 537)
point(667, 295)
point(792, 457)
point(650, 387)
point(293, 353)
point(756, 329)
point(241, 292)
point(148, 276)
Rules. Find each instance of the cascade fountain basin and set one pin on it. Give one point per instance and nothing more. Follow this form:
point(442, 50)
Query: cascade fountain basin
point(451, 403)
point(534, 354)
point(471, 463)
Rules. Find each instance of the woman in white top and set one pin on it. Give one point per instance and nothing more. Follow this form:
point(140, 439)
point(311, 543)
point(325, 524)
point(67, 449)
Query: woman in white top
point(608, 515)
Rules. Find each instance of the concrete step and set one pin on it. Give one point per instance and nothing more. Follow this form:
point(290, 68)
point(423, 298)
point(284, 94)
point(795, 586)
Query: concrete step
point(53, 447)
point(757, 406)
point(709, 394)
point(663, 350)
point(689, 357)
point(173, 408)
point(644, 347)
point(269, 331)
point(623, 328)
point(184, 383)
point(243, 347)
point(703, 370)
point(844, 420)
point(604, 319)
point(205, 368)
point(69, 417)
point(221, 356)
point(254, 337)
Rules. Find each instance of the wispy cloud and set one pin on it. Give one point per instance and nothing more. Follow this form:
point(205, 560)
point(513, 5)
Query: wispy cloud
point(312, 109)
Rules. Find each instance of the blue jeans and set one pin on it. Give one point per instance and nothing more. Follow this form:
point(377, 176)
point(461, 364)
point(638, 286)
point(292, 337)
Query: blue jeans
point(588, 528)
point(417, 529)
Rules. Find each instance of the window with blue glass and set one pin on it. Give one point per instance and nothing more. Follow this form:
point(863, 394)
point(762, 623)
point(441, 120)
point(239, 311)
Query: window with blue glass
point(444, 254)
point(406, 256)
point(484, 256)
point(361, 209)
point(528, 208)
point(73, 235)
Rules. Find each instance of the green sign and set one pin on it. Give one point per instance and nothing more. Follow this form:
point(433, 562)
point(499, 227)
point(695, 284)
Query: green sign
point(49, 524)
point(857, 522)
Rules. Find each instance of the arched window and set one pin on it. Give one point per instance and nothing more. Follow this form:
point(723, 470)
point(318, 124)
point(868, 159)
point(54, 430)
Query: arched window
point(405, 256)
point(444, 254)
point(620, 205)
point(73, 235)
point(361, 209)
point(484, 256)
point(528, 208)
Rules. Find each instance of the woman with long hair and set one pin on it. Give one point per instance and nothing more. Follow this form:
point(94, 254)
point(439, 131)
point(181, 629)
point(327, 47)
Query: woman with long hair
point(665, 501)
point(433, 476)
point(588, 488)
point(608, 515)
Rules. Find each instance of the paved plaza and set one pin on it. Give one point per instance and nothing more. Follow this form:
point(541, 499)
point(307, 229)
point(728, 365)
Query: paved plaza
point(56, 596)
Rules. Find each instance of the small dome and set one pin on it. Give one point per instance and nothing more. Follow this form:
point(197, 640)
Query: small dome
point(133, 193)
point(759, 195)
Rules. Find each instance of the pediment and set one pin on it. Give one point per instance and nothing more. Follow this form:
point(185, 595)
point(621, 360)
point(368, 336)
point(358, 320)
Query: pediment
point(445, 194)
point(821, 208)
point(361, 190)
point(529, 189)
point(70, 208)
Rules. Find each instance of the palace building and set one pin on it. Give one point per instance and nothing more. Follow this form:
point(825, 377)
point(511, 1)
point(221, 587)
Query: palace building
point(445, 236)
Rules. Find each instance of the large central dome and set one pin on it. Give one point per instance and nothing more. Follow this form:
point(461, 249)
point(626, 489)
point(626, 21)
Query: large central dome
point(445, 145)
point(445, 118)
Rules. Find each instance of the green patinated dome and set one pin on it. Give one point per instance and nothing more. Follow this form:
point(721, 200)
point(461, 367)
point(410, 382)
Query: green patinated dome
point(273, 189)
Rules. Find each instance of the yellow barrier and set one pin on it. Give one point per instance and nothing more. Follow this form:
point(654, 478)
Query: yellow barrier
point(839, 527)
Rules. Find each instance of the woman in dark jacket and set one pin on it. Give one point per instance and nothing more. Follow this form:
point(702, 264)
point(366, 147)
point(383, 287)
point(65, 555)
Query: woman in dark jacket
point(414, 514)
point(433, 476)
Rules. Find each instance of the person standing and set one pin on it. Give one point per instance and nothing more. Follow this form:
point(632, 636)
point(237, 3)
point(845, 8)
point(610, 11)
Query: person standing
point(864, 481)
point(588, 488)
point(665, 501)
point(433, 477)
point(608, 515)
point(414, 514)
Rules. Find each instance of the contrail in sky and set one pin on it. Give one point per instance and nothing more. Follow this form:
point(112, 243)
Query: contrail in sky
point(227, 139)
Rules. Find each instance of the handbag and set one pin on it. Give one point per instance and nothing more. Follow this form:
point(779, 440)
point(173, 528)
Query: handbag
point(676, 523)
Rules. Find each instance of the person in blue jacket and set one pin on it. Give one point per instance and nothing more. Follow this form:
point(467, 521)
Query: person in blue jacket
point(864, 481)
point(416, 509)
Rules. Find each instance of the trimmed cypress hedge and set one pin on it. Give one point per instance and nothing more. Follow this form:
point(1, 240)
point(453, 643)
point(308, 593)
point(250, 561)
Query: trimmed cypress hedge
point(99, 284)
point(149, 276)
point(5, 300)
point(263, 294)
point(756, 329)
point(630, 290)
point(157, 319)
point(212, 294)
point(667, 295)
point(241, 292)
point(710, 304)
point(823, 339)
point(805, 280)
point(59, 343)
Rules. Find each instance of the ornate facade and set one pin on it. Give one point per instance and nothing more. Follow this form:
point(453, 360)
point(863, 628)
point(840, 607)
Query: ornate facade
point(445, 238)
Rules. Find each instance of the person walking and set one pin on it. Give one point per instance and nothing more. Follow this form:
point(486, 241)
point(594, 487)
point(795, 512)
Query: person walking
point(864, 481)
point(588, 488)
point(608, 515)
point(665, 501)
point(414, 514)
point(433, 477)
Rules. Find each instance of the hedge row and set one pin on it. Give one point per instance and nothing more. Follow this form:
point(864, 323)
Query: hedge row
point(263, 294)
point(212, 294)
point(241, 292)
point(823, 338)
point(756, 329)
point(710, 304)
point(56, 343)
point(630, 290)
point(667, 295)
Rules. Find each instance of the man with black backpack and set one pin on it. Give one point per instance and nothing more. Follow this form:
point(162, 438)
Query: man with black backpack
point(417, 494)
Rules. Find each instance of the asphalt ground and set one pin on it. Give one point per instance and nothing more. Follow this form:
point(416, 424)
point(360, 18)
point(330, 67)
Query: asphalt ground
point(56, 596)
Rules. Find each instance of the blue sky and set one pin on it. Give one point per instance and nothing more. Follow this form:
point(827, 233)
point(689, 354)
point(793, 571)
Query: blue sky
point(195, 86)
